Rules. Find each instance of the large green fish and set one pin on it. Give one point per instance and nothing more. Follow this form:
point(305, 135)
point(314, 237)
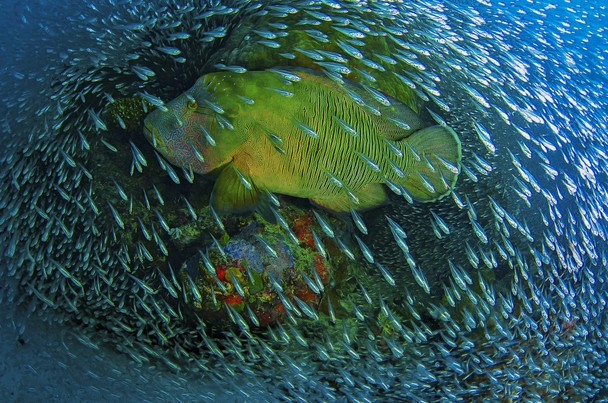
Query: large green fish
point(298, 133)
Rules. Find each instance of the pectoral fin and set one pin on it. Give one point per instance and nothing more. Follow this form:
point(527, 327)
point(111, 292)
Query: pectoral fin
point(234, 192)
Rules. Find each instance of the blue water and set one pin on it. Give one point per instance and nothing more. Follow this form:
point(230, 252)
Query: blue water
point(534, 74)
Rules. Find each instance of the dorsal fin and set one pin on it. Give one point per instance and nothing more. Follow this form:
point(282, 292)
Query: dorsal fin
point(392, 117)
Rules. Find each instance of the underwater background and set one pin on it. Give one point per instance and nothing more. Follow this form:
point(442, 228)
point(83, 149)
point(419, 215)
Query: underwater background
point(121, 282)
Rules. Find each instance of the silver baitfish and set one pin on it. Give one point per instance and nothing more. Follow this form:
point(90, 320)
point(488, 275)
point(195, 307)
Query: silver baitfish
point(501, 284)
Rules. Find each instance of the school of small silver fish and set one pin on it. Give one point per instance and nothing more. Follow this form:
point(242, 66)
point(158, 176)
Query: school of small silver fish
point(495, 292)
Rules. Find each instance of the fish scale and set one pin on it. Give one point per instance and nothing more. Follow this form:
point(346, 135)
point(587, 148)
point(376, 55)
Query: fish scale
point(303, 166)
point(325, 105)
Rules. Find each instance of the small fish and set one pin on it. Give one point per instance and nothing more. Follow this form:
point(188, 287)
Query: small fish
point(142, 72)
point(350, 49)
point(386, 274)
point(159, 197)
point(162, 221)
point(120, 191)
point(426, 183)
point(269, 43)
point(144, 252)
point(191, 210)
point(237, 285)
point(286, 74)
point(311, 284)
point(471, 255)
point(366, 75)
point(138, 154)
point(216, 218)
point(398, 152)
point(167, 284)
point(306, 129)
point(373, 165)
point(120, 121)
point(244, 181)
point(188, 174)
point(324, 225)
point(358, 221)
point(283, 223)
point(319, 244)
point(347, 128)
point(152, 100)
point(367, 253)
point(334, 67)
point(269, 249)
point(477, 97)
point(406, 81)
point(83, 141)
point(345, 249)
point(194, 289)
point(288, 55)
point(485, 137)
point(421, 279)
point(318, 281)
point(481, 234)
point(304, 307)
point(99, 124)
point(178, 36)
point(377, 95)
point(333, 56)
point(147, 289)
point(287, 303)
point(458, 276)
point(441, 223)
point(169, 50)
point(337, 182)
point(116, 216)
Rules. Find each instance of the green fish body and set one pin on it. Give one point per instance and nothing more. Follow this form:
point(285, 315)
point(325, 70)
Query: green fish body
point(299, 133)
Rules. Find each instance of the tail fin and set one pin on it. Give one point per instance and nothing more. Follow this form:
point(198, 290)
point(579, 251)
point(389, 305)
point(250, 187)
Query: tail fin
point(436, 153)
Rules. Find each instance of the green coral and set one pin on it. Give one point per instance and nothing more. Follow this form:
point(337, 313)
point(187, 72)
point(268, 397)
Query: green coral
point(257, 285)
point(387, 326)
point(132, 111)
point(187, 232)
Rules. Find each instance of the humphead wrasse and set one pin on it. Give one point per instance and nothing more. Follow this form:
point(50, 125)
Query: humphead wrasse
point(299, 133)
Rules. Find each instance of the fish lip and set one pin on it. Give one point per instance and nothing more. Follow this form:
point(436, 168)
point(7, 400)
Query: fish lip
point(149, 133)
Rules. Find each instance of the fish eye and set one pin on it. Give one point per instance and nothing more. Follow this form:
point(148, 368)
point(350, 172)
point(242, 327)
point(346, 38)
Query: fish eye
point(192, 104)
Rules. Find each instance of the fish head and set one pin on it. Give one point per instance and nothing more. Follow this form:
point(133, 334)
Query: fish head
point(180, 131)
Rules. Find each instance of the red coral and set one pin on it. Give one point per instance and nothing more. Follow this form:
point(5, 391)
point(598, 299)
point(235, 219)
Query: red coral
point(220, 272)
point(279, 308)
point(306, 295)
point(270, 315)
point(320, 268)
point(302, 228)
point(233, 299)
point(265, 318)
